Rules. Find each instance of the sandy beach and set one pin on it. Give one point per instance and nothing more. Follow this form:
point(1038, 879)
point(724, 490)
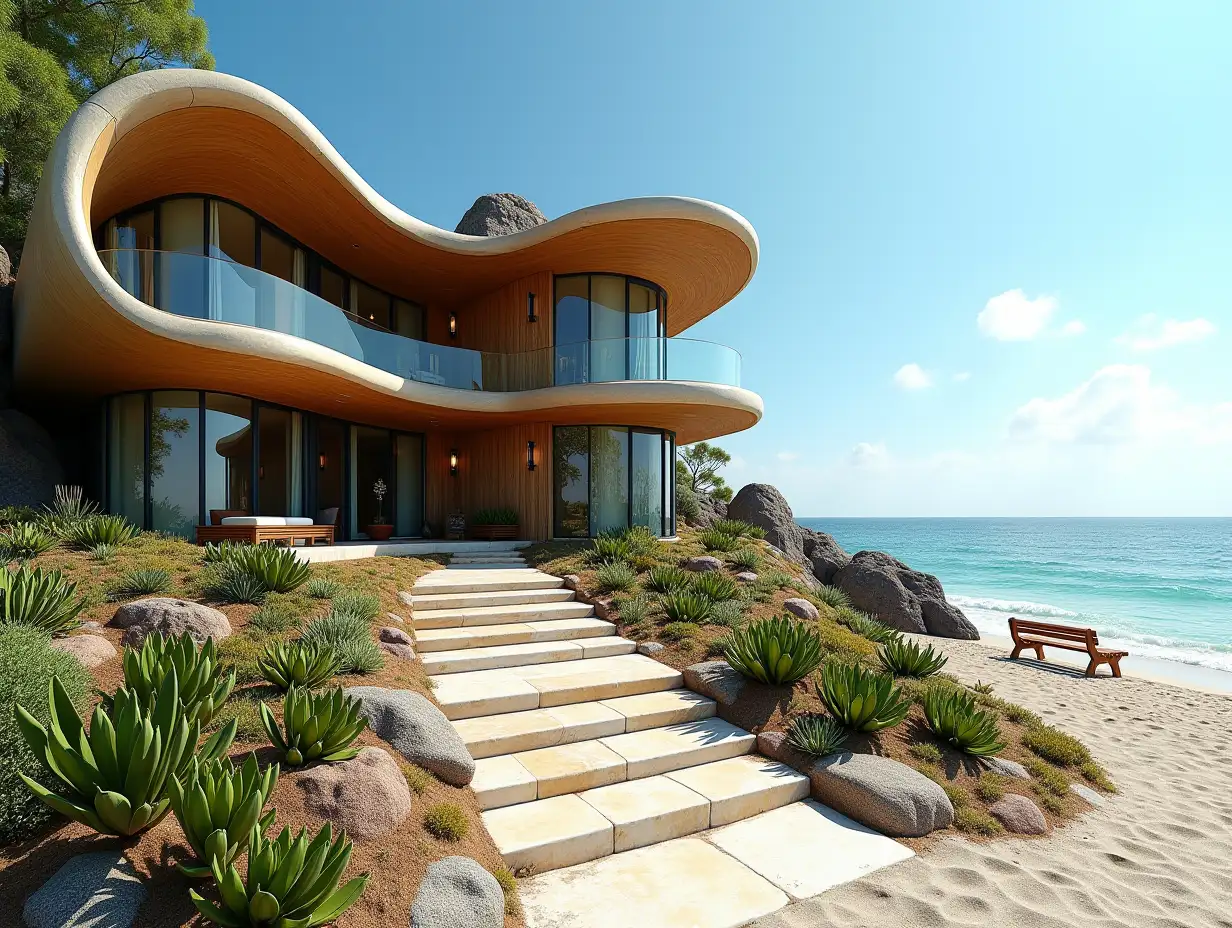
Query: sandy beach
point(1158, 854)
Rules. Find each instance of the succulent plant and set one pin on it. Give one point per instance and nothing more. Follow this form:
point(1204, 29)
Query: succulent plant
point(905, 658)
point(39, 598)
point(686, 607)
point(95, 530)
point(667, 579)
point(715, 540)
point(775, 651)
point(23, 540)
point(866, 626)
point(217, 806)
point(832, 596)
point(144, 582)
point(615, 576)
point(116, 778)
point(315, 726)
point(298, 663)
point(861, 699)
point(716, 587)
point(609, 547)
point(744, 559)
point(291, 882)
point(738, 529)
point(818, 735)
point(202, 687)
point(954, 718)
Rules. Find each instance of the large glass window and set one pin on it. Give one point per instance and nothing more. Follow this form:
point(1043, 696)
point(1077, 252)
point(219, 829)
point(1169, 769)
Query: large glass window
point(126, 457)
point(608, 327)
point(179, 270)
point(279, 466)
point(175, 444)
point(572, 317)
point(370, 304)
point(233, 233)
point(330, 462)
point(228, 457)
point(408, 491)
point(607, 478)
point(372, 460)
point(571, 474)
point(647, 482)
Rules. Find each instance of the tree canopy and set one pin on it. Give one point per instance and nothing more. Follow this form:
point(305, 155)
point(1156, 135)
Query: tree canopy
point(702, 462)
point(53, 55)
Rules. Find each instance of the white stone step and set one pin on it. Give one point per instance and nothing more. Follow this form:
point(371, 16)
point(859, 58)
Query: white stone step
point(550, 834)
point(492, 598)
point(489, 565)
point(493, 735)
point(483, 636)
point(584, 765)
point(486, 556)
point(514, 689)
point(465, 660)
point(516, 614)
point(482, 581)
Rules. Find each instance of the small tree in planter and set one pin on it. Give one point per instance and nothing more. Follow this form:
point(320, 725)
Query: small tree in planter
point(379, 530)
point(499, 524)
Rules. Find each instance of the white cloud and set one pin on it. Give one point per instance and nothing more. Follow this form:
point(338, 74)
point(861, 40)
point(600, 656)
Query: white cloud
point(962, 376)
point(1150, 333)
point(787, 455)
point(1011, 317)
point(1073, 327)
point(912, 377)
point(870, 456)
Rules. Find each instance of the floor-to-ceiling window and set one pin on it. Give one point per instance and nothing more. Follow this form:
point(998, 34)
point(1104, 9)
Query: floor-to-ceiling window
point(372, 460)
point(228, 456)
point(330, 475)
point(175, 444)
point(607, 478)
point(608, 327)
point(572, 317)
point(408, 487)
point(126, 457)
point(279, 462)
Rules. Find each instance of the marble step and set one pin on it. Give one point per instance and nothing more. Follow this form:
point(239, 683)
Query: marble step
point(513, 614)
point(557, 832)
point(541, 686)
point(584, 765)
point(483, 581)
point(486, 556)
point(465, 660)
point(489, 565)
point(493, 735)
point(482, 636)
point(492, 598)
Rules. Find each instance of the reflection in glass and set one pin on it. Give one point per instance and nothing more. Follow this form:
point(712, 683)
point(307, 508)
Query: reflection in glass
point(233, 233)
point(645, 348)
point(571, 473)
point(329, 461)
point(609, 479)
point(126, 458)
point(174, 445)
point(279, 468)
point(228, 457)
point(408, 493)
point(647, 480)
point(607, 328)
point(369, 304)
point(572, 328)
point(181, 228)
point(333, 287)
point(371, 460)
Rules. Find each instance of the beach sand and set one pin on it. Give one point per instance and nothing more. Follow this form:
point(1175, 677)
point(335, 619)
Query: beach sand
point(1159, 853)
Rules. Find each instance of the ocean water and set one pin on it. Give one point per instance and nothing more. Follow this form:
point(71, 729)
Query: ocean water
point(1160, 587)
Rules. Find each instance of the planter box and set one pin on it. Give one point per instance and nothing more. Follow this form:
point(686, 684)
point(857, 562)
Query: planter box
point(494, 532)
point(379, 532)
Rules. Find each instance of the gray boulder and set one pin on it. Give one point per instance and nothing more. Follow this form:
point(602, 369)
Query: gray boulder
point(764, 506)
point(29, 465)
point(417, 730)
point(392, 635)
point(709, 510)
point(366, 795)
point(458, 893)
point(746, 576)
point(717, 680)
point(1006, 768)
point(406, 599)
point(6, 267)
point(97, 890)
point(901, 597)
point(702, 563)
point(801, 608)
point(826, 555)
point(500, 214)
point(170, 617)
point(1094, 798)
point(881, 793)
point(91, 650)
point(1019, 815)
point(395, 618)
point(650, 648)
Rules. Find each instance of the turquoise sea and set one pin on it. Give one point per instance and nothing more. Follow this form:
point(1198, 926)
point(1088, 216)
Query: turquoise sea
point(1161, 587)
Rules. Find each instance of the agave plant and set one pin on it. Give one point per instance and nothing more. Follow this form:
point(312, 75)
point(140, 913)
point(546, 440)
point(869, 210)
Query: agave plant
point(615, 576)
point(818, 735)
point(218, 806)
point(867, 626)
point(298, 663)
point(716, 587)
point(744, 559)
point(862, 700)
point(279, 569)
point(43, 599)
point(776, 651)
point(220, 552)
point(290, 883)
point(233, 585)
point(667, 579)
point(24, 540)
point(100, 530)
point(116, 778)
point(202, 687)
point(739, 529)
point(144, 582)
point(686, 607)
point(609, 547)
point(714, 540)
point(832, 596)
point(954, 718)
point(315, 726)
point(905, 658)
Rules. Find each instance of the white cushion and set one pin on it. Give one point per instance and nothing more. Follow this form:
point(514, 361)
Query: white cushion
point(266, 520)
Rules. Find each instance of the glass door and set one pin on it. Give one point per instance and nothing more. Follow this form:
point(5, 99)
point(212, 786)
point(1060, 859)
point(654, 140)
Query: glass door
point(328, 459)
point(372, 473)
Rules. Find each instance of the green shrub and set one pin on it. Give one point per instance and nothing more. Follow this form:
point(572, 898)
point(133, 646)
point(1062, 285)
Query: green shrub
point(1056, 746)
point(716, 587)
point(244, 711)
point(615, 576)
point(1019, 715)
point(714, 540)
point(686, 607)
point(335, 629)
point(817, 735)
point(361, 655)
point(27, 664)
point(446, 821)
point(737, 529)
point(608, 547)
point(956, 794)
point(729, 614)
point(289, 882)
point(11, 515)
point(275, 617)
point(232, 585)
point(202, 687)
point(864, 701)
point(221, 552)
point(904, 658)
point(497, 516)
point(116, 779)
point(1046, 777)
point(298, 663)
point(744, 559)
point(217, 807)
point(24, 540)
point(278, 569)
point(1095, 774)
point(926, 753)
point(636, 609)
point(417, 779)
point(145, 582)
point(954, 718)
point(678, 631)
point(365, 606)
point(775, 651)
point(103, 553)
point(40, 598)
point(867, 626)
point(832, 596)
point(509, 886)
point(315, 726)
point(69, 503)
point(323, 588)
point(990, 787)
point(101, 530)
point(240, 652)
point(642, 541)
point(1050, 803)
point(667, 579)
point(687, 506)
point(973, 821)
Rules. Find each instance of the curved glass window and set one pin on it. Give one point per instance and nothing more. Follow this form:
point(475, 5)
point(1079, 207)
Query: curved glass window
point(609, 477)
point(609, 327)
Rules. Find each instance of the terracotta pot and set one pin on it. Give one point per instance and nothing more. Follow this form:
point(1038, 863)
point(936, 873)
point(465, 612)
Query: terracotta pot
point(495, 532)
point(379, 532)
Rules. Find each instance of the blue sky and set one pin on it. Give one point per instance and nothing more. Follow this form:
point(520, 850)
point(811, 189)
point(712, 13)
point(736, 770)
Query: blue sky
point(1029, 203)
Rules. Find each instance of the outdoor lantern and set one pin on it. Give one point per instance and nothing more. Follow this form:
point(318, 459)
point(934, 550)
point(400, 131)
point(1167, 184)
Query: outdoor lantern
point(530, 455)
point(453, 325)
point(453, 462)
point(532, 313)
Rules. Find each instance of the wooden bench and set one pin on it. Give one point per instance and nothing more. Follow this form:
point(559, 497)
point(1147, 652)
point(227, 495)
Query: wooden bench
point(1037, 635)
point(255, 534)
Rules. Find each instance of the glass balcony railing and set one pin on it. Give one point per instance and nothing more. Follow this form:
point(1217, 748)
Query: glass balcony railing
point(219, 290)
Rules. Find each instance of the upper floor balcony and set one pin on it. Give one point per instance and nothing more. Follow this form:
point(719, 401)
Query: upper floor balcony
point(220, 290)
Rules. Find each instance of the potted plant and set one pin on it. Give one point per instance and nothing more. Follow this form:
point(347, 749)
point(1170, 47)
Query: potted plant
point(500, 524)
point(379, 530)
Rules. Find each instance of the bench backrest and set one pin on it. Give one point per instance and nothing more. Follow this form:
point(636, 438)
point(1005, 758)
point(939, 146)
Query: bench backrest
point(1060, 632)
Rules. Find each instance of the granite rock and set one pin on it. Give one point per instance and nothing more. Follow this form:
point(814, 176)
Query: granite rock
point(392, 635)
point(406, 599)
point(826, 555)
point(395, 618)
point(801, 608)
point(404, 652)
point(762, 505)
point(96, 890)
point(458, 893)
point(1094, 798)
point(29, 463)
point(717, 680)
point(703, 563)
point(91, 650)
point(1019, 815)
point(1006, 768)
point(417, 730)
point(881, 793)
point(367, 795)
point(650, 648)
point(900, 597)
point(746, 576)
point(170, 617)
point(500, 214)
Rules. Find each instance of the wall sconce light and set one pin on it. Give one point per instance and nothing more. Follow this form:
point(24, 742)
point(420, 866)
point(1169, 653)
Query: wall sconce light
point(530, 455)
point(453, 462)
point(261, 472)
point(453, 325)
point(322, 462)
point(532, 311)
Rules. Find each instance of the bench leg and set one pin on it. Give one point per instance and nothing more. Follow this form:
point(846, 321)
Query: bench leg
point(1091, 667)
point(1017, 650)
point(1115, 664)
point(1039, 652)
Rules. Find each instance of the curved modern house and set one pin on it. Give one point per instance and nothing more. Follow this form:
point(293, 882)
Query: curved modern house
point(252, 330)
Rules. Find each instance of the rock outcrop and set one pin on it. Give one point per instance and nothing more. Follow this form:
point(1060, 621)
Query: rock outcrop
point(500, 214)
point(458, 893)
point(900, 597)
point(96, 889)
point(29, 465)
point(764, 506)
point(417, 730)
point(367, 795)
point(170, 617)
